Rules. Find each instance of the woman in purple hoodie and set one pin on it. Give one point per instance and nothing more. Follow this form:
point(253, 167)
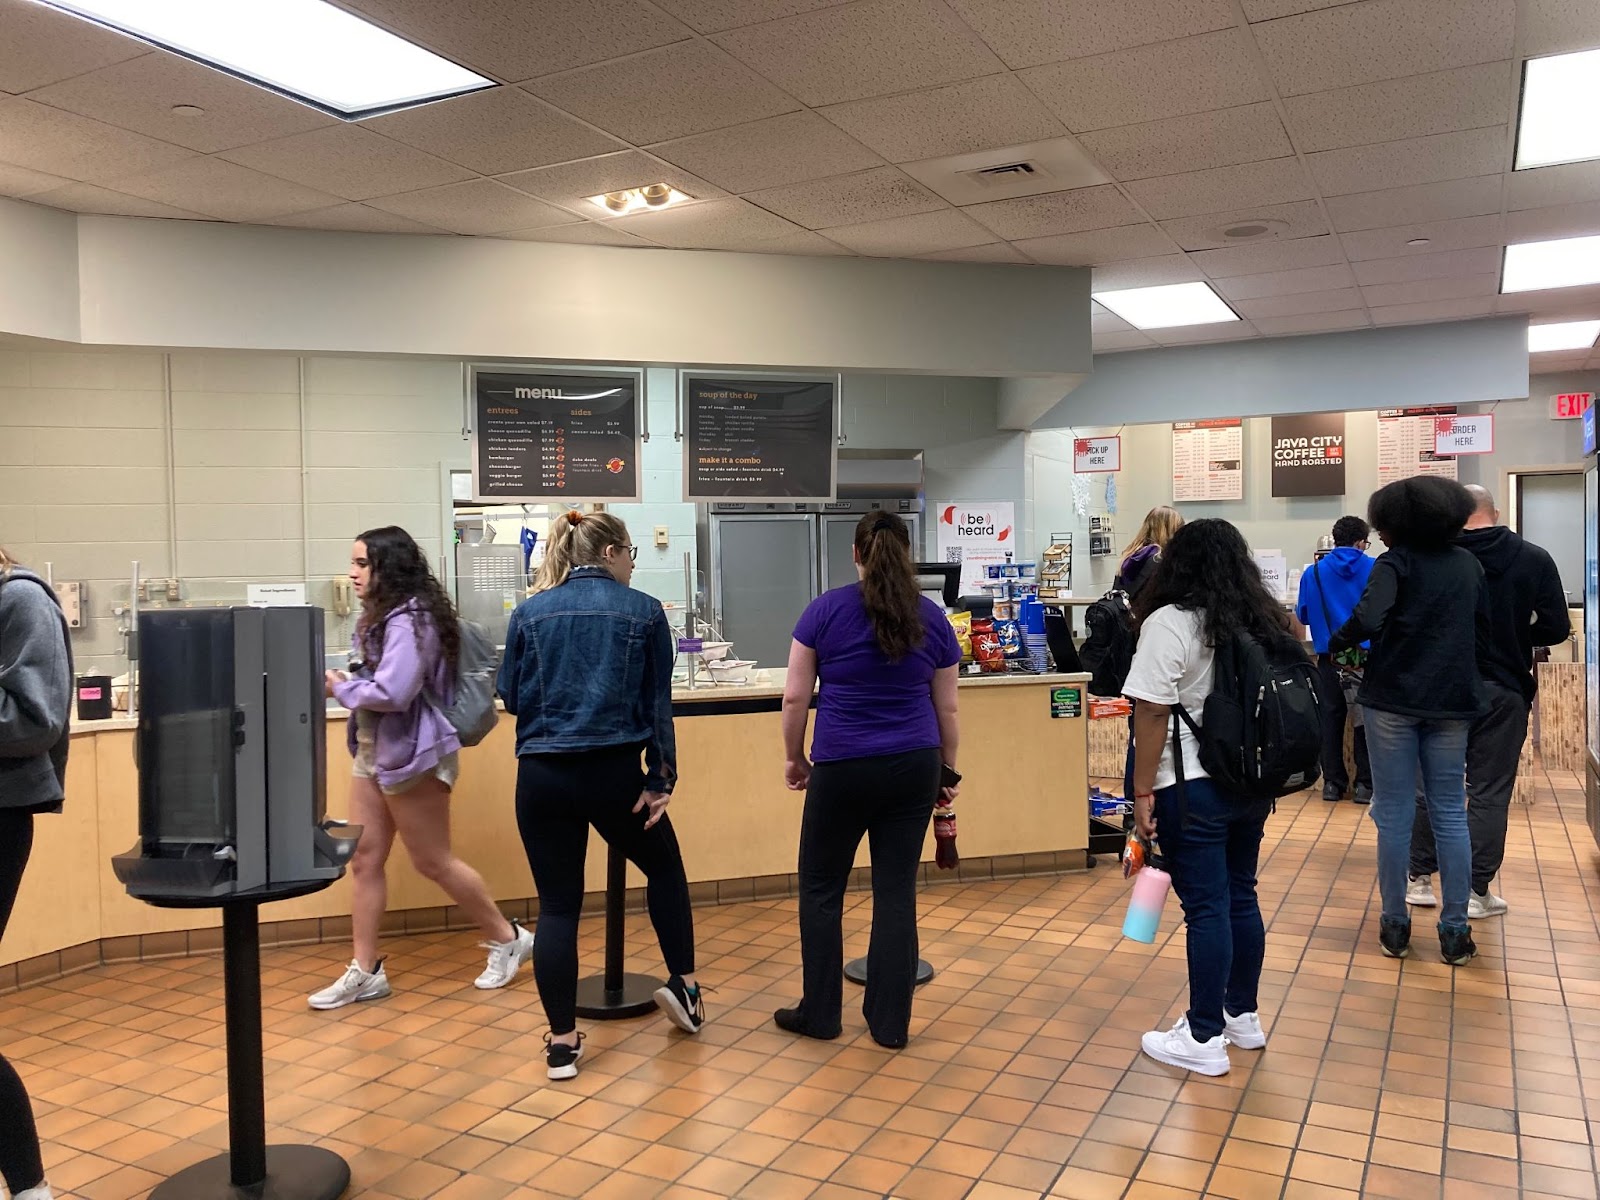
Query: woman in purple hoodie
point(402, 669)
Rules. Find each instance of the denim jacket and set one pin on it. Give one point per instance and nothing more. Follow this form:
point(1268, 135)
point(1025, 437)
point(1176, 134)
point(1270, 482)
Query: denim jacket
point(588, 665)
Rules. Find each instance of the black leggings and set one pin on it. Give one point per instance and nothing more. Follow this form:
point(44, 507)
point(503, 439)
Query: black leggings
point(20, 1164)
point(558, 797)
point(888, 798)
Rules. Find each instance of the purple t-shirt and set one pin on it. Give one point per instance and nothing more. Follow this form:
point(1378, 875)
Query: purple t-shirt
point(869, 705)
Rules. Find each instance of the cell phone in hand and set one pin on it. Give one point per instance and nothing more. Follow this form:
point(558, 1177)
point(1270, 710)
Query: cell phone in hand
point(949, 777)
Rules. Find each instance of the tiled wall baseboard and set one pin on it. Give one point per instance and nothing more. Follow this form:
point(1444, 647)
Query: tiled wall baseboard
point(315, 930)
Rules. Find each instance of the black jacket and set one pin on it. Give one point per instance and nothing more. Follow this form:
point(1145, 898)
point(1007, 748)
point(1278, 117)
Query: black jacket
point(1422, 610)
point(1527, 607)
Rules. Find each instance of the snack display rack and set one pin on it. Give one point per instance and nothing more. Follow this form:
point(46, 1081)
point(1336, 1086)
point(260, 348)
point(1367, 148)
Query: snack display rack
point(1055, 568)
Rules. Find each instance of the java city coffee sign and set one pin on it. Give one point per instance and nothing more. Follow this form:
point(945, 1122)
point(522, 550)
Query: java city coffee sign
point(1308, 455)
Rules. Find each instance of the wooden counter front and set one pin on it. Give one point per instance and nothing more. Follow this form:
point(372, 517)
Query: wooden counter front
point(1023, 795)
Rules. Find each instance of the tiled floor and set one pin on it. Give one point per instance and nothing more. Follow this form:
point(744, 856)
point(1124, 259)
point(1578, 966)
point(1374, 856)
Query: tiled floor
point(1022, 1079)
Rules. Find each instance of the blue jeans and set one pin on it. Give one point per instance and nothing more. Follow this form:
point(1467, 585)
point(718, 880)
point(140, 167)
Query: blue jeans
point(1211, 857)
point(1408, 752)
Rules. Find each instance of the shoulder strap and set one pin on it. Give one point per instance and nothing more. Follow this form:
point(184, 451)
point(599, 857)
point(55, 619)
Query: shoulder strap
point(1322, 596)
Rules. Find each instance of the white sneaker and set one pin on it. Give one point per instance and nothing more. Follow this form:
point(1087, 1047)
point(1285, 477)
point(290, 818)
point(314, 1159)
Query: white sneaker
point(42, 1192)
point(1419, 891)
point(1244, 1030)
point(355, 984)
point(504, 959)
point(1178, 1048)
point(1486, 905)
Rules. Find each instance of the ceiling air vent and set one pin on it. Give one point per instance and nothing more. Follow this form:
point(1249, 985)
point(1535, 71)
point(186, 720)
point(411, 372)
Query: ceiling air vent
point(1003, 174)
point(1249, 229)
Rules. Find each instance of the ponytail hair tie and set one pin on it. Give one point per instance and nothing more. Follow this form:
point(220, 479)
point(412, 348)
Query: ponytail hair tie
point(574, 517)
point(885, 521)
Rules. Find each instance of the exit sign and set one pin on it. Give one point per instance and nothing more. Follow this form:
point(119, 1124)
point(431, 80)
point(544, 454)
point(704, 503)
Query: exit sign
point(1570, 406)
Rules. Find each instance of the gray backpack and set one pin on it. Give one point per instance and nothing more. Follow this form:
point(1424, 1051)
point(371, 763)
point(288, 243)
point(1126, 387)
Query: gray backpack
point(471, 711)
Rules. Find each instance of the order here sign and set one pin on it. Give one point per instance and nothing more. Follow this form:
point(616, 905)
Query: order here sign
point(1096, 454)
point(1464, 435)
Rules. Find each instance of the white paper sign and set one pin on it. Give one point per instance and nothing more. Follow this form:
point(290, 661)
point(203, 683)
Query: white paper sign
point(275, 595)
point(1096, 454)
point(1406, 444)
point(1208, 460)
point(1274, 572)
point(1464, 435)
point(975, 535)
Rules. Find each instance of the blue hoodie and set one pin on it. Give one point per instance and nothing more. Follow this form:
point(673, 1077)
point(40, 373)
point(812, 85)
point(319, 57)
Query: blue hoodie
point(1340, 577)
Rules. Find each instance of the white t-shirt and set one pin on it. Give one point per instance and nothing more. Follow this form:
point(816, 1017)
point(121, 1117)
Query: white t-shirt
point(1173, 666)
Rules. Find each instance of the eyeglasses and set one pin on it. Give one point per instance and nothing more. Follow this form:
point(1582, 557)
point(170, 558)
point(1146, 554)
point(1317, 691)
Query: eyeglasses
point(633, 552)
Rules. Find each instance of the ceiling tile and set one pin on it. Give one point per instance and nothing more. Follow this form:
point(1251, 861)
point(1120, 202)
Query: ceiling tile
point(859, 50)
point(1103, 320)
point(476, 206)
point(42, 46)
point(688, 87)
point(225, 190)
point(1286, 283)
point(571, 184)
point(585, 233)
point(19, 181)
point(1056, 212)
point(1383, 39)
point(1028, 33)
point(1328, 322)
point(1144, 272)
point(1548, 364)
point(1275, 254)
point(1271, 10)
point(872, 195)
point(1337, 300)
point(1196, 74)
point(1275, 181)
point(1188, 335)
point(350, 161)
point(797, 241)
point(1553, 303)
point(979, 114)
point(87, 198)
point(1441, 102)
point(770, 153)
point(1223, 138)
point(1569, 183)
point(1560, 221)
point(1414, 205)
point(139, 94)
point(1462, 233)
point(1302, 219)
point(494, 131)
point(993, 252)
point(61, 143)
point(1557, 26)
point(1114, 341)
point(905, 237)
point(1419, 291)
point(518, 39)
point(1431, 310)
point(1428, 266)
point(1097, 246)
point(713, 16)
point(357, 218)
point(1415, 160)
point(713, 224)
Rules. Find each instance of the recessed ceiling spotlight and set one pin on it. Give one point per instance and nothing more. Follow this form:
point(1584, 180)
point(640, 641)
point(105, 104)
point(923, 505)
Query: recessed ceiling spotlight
point(1420, 242)
point(1564, 262)
point(651, 195)
point(1562, 335)
point(1168, 306)
point(308, 50)
point(188, 110)
point(1556, 124)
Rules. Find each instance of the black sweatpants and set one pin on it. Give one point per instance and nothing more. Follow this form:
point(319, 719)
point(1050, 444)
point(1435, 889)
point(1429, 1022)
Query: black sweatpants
point(1494, 749)
point(889, 799)
point(1335, 712)
point(20, 1164)
point(558, 797)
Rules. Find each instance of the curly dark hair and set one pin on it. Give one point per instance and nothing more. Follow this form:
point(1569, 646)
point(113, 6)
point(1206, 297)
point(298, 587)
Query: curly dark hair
point(1425, 512)
point(400, 572)
point(1347, 531)
point(1207, 567)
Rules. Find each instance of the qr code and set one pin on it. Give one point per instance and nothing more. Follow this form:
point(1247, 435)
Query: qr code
point(952, 554)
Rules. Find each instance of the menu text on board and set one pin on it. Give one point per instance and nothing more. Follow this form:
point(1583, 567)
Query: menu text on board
point(759, 439)
point(541, 438)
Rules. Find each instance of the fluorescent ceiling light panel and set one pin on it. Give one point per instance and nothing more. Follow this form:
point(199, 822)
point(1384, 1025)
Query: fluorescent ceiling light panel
point(305, 49)
point(1537, 266)
point(1168, 306)
point(1563, 335)
point(1557, 122)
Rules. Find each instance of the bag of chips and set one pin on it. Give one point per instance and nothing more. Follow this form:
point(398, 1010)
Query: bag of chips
point(961, 622)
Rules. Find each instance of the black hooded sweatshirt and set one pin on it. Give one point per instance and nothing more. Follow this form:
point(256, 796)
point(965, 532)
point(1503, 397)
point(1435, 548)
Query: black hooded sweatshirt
point(1527, 607)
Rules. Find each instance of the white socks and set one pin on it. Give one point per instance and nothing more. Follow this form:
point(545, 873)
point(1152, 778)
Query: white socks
point(42, 1192)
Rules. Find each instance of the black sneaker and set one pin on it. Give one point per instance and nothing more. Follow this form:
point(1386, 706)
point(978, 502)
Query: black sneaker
point(792, 1020)
point(1457, 946)
point(1394, 937)
point(1362, 795)
point(561, 1061)
point(1331, 793)
point(682, 1004)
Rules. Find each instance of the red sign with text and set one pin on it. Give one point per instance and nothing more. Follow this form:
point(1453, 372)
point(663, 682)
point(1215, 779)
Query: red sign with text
point(1570, 406)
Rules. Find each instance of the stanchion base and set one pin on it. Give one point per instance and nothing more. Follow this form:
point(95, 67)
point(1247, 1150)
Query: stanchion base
point(293, 1173)
point(634, 998)
point(856, 971)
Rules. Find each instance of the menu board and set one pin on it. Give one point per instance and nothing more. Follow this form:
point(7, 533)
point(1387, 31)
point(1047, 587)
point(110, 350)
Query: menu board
point(541, 438)
point(1406, 443)
point(759, 438)
point(1208, 460)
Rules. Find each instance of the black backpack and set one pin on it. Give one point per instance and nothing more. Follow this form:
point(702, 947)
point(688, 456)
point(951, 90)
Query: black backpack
point(1261, 729)
point(1107, 650)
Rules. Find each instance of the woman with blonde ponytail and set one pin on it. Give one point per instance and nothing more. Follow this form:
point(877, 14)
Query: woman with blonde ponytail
point(884, 751)
point(588, 675)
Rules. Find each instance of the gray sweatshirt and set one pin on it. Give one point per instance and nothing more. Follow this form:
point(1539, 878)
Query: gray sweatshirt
point(35, 693)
